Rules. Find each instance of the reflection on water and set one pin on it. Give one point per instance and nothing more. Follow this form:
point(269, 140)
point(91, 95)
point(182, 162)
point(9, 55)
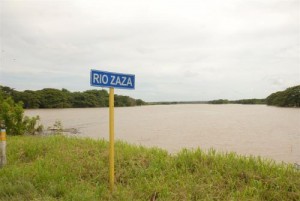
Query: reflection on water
point(270, 132)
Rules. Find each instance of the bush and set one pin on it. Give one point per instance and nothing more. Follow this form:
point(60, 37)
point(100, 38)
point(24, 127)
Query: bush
point(12, 116)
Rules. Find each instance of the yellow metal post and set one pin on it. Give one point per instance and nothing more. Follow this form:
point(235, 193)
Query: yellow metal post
point(111, 139)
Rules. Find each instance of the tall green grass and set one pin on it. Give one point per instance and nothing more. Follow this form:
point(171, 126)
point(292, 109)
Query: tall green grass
point(63, 168)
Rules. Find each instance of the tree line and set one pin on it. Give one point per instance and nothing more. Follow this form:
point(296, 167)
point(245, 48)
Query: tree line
point(242, 101)
point(287, 98)
point(55, 98)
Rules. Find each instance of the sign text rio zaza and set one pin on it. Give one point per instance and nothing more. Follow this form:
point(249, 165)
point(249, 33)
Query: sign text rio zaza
point(112, 80)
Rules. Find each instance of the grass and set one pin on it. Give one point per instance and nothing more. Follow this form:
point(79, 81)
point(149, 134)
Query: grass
point(62, 168)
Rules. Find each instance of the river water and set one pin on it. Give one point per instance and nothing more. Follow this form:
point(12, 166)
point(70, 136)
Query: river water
point(270, 132)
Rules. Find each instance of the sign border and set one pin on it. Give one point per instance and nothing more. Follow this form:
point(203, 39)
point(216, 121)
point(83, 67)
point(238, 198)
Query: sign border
point(110, 86)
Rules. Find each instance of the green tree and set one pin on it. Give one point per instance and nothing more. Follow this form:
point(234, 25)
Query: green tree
point(30, 98)
point(287, 98)
point(12, 114)
point(140, 102)
point(53, 98)
point(219, 101)
point(83, 100)
point(101, 97)
point(123, 101)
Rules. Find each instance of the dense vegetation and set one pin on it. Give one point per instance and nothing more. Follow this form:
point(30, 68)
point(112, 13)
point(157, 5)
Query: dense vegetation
point(54, 98)
point(13, 119)
point(250, 101)
point(287, 98)
point(242, 101)
point(219, 101)
point(176, 102)
point(63, 168)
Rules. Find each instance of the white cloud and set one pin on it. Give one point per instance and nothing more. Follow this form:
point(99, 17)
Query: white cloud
point(179, 50)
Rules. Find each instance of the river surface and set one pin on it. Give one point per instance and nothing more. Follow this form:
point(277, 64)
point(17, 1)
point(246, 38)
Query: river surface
point(260, 130)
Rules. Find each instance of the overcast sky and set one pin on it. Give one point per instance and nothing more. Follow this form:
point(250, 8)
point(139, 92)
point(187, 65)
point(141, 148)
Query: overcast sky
point(178, 49)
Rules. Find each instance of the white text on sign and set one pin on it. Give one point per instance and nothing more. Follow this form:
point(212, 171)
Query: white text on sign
point(114, 80)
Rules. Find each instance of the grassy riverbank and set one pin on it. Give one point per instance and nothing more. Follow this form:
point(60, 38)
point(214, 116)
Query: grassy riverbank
point(61, 168)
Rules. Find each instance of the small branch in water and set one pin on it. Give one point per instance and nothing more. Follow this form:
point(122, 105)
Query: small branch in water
point(56, 130)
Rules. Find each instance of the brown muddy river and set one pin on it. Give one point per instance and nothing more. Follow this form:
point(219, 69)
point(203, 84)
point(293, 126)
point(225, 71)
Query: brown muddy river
point(270, 132)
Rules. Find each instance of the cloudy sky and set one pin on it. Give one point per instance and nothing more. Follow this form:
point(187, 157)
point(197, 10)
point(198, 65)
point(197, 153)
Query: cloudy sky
point(178, 49)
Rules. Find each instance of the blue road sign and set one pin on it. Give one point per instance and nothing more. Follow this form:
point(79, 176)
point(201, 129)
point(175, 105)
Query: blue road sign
point(115, 80)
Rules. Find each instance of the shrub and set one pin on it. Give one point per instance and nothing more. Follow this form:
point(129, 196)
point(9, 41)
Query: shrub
point(12, 116)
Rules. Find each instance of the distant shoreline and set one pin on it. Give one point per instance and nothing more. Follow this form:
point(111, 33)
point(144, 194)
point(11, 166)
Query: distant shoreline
point(55, 98)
